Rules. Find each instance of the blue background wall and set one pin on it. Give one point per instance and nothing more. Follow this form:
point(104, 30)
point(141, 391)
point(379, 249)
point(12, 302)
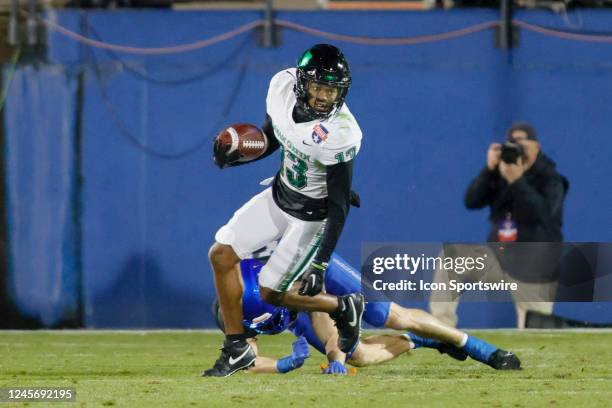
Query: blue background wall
point(151, 198)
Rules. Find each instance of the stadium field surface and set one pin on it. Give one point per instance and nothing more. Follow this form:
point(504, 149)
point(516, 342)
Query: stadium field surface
point(162, 368)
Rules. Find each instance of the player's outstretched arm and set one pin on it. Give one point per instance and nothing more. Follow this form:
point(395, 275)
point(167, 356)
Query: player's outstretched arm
point(328, 335)
point(267, 365)
point(371, 350)
point(264, 365)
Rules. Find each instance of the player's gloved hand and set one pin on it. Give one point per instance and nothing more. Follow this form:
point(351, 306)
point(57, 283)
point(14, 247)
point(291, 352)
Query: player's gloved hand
point(300, 351)
point(297, 357)
point(355, 199)
point(336, 367)
point(221, 157)
point(312, 280)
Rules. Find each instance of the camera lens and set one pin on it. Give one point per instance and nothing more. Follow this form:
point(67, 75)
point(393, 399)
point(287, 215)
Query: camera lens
point(510, 152)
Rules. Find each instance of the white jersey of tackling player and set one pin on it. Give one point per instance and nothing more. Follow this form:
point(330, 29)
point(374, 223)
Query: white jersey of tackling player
point(310, 146)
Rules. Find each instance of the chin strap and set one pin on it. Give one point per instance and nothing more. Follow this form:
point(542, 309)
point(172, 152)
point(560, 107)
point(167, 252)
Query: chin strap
point(302, 113)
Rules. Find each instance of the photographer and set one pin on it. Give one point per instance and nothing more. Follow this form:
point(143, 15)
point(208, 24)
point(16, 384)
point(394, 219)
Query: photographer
point(525, 194)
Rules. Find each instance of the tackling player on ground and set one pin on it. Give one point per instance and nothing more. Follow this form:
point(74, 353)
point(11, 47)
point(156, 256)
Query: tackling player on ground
point(306, 207)
point(316, 329)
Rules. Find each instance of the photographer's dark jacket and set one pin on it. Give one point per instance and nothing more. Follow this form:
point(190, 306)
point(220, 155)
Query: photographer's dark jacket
point(535, 201)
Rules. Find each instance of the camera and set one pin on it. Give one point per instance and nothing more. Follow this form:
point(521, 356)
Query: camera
point(510, 152)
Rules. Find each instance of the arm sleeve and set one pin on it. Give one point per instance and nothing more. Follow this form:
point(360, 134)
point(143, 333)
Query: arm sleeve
point(273, 144)
point(481, 190)
point(272, 141)
point(339, 179)
point(534, 207)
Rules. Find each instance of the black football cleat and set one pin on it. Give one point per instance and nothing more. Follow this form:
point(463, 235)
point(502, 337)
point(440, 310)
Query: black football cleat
point(504, 360)
point(348, 321)
point(452, 351)
point(233, 358)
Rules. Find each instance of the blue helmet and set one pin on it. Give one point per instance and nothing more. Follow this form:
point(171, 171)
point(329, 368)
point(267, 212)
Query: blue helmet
point(259, 316)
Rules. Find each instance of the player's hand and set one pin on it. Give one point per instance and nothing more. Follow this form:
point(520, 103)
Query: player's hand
point(300, 351)
point(220, 154)
point(296, 359)
point(312, 280)
point(494, 155)
point(355, 199)
point(337, 368)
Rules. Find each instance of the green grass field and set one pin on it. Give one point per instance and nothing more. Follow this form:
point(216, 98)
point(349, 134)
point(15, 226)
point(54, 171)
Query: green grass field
point(146, 369)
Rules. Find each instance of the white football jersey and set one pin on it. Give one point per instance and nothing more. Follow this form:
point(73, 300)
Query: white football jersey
point(310, 146)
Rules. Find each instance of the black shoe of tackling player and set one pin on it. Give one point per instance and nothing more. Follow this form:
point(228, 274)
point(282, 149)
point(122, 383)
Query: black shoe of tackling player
point(452, 351)
point(234, 357)
point(504, 360)
point(348, 321)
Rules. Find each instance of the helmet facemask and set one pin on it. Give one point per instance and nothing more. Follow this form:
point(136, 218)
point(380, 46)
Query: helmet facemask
point(325, 65)
point(304, 96)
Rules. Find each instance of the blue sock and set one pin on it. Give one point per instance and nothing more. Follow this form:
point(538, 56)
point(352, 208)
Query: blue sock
point(479, 349)
point(423, 342)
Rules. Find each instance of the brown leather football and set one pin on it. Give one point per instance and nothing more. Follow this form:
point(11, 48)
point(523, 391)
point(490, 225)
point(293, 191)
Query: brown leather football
point(249, 140)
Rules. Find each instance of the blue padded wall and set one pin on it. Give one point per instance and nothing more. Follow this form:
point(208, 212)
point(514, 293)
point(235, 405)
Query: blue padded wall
point(152, 198)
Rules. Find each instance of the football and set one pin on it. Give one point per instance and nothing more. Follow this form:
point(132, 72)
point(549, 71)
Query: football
point(249, 140)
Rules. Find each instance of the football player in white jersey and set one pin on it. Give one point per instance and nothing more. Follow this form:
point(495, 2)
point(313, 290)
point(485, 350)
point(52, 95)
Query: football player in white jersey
point(305, 209)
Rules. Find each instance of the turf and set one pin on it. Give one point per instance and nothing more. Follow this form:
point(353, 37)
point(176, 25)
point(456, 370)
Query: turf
point(147, 369)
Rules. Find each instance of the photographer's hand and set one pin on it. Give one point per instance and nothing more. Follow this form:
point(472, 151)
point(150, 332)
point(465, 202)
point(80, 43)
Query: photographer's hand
point(511, 172)
point(493, 156)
